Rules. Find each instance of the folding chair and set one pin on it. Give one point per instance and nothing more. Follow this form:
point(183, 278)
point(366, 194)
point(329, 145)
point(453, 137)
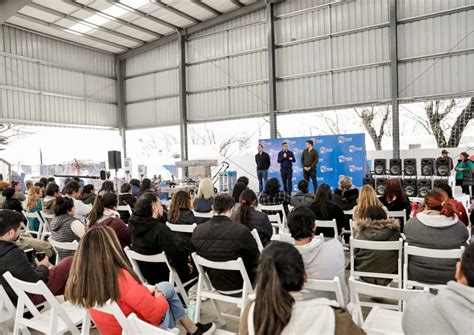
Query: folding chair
point(349, 212)
point(203, 215)
point(131, 325)
point(7, 311)
point(174, 279)
point(328, 224)
point(125, 208)
point(333, 285)
point(47, 218)
point(379, 320)
point(286, 237)
point(205, 289)
point(32, 216)
point(399, 215)
point(378, 246)
point(63, 246)
point(182, 228)
point(410, 250)
point(276, 208)
point(275, 220)
point(60, 318)
point(257, 239)
point(353, 227)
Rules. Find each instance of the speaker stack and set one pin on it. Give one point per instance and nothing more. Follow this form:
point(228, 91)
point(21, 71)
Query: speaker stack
point(438, 182)
point(380, 166)
point(395, 167)
point(409, 166)
point(423, 187)
point(380, 185)
point(427, 167)
point(369, 181)
point(442, 167)
point(409, 185)
point(115, 160)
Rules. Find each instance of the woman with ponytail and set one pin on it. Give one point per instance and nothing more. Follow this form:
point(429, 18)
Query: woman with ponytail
point(252, 219)
point(281, 304)
point(435, 227)
point(104, 213)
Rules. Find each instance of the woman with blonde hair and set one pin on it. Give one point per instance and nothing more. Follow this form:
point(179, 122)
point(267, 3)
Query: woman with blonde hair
point(205, 196)
point(33, 204)
point(100, 259)
point(367, 198)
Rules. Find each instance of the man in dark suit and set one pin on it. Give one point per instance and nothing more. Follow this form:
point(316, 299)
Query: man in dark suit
point(309, 160)
point(286, 158)
point(262, 159)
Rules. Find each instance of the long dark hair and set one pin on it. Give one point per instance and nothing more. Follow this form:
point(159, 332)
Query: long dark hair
point(107, 200)
point(146, 185)
point(280, 271)
point(393, 188)
point(272, 187)
point(181, 200)
point(247, 197)
point(63, 205)
point(323, 199)
point(107, 187)
point(239, 187)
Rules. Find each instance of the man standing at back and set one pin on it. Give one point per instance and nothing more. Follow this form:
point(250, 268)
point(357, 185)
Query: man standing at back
point(309, 160)
point(286, 158)
point(220, 239)
point(263, 164)
point(445, 154)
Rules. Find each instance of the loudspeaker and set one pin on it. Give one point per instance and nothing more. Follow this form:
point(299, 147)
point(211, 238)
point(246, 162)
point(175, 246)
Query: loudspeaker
point(102, 175)
point(438, 182)
point(115, 160)
point(380, 185)
point(442, 167)
point(395, 167)
point(427, 166)
point(380, 165)
point(369, 181)
point(409, 166)
point(409, 185)
point(423, 186)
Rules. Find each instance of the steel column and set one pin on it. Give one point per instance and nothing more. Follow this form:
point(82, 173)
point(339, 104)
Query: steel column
point(122, 118)
point(272, 102)
point(394, 79)
point(183, 112)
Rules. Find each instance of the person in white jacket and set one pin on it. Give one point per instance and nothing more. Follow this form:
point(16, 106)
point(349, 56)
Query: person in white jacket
point(73, 191)
point(283, 306)
point(322, 259)
point(450, 310)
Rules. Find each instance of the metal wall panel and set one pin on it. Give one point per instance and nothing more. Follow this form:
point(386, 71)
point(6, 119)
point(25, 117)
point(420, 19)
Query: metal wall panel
point(410, 8)
point(163, 57)
point(152, 113)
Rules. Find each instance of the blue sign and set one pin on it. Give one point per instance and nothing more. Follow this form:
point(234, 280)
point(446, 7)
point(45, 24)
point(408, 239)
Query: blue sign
point(339, 155)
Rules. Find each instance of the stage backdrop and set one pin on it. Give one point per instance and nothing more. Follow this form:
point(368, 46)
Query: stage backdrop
point(339, 155)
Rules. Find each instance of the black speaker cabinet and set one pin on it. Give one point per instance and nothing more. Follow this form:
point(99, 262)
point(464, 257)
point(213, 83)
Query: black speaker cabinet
point(115, 160)
point(369, 181)
point(409, 166)
point(380, 185)
point(438, 182)
point(380, 165)
point(395, 167)
point(409, 185)
point(442, 167)
point(423, 186)
point(427, 166)
point(103, 175)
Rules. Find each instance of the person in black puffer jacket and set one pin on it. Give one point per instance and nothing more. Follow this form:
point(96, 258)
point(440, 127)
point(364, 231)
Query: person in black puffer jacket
point(346, 195)
point(126, 198)
point(151, 236)
point(222, 240)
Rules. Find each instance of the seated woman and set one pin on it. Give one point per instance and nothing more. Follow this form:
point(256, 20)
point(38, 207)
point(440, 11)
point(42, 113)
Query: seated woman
point(180, 213)
point(283, 307)
point(376, 226)
point(101, 260)
point(52, 192)
point(107, 187)
point(126, 198)
point(252, 219)
point(146, 187)
point(302, 197)
point(436, 227)
point(460, 209)
point(32, 204)
point(325, 209)
point(88, 194)
point(239, 187)
point(104, 213)
point(367, 198)
point(395, 198)
point(150, 236)
point(10, 201)
point(205, 196)
point(64, 226)
point(346, 195)
point(272, 195)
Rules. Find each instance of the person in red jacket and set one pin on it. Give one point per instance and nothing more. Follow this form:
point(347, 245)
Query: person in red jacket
point(101, 272)
point(104, 213)
point(460, 209)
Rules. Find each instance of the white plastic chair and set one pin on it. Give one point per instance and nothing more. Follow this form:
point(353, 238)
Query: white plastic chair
point(399, 215)
point(410, 250)
point(255, 235)
point(349, 212)
point(207, 215)
point(275, 221)
point(352, 224)
point(205, 289)
point(125, 208)
point(328, 224)
point(131, 325)
point(286, 237)
point(276, 208)
point(333, 285)
point(63, 246)
point(174, 279)
point(32, 216)
point(379, 320)
point(7, 310)
point(181, 228)
point(60, 318)
point(47, 218)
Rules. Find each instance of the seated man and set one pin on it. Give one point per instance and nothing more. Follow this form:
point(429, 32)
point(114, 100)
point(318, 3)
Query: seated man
point(13, 259)
point(222, 240)
point(450, 309)
point(322, 259)
point(73, 190)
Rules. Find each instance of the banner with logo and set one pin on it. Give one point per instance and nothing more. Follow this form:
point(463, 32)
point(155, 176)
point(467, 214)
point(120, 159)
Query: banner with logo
point(339, 155)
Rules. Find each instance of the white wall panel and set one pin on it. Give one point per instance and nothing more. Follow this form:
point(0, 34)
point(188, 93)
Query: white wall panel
point(293, 93)
point(159, 112)
point(207, 75)
point(163, 57)
point(410, 8)
point(139, 88)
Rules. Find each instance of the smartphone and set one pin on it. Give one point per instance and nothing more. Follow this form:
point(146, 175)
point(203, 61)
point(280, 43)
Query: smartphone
point(40, 256)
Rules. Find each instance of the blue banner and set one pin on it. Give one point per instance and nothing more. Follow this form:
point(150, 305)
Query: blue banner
point(339, 155)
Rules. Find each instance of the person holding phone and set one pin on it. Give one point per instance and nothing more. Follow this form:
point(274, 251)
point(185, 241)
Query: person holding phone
point(286, 158)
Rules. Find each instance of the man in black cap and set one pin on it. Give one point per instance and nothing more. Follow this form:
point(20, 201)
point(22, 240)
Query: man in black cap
point(309, 160)
point(445, 154)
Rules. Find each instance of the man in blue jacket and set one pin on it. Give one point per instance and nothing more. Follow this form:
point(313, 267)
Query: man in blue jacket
point(286, 158)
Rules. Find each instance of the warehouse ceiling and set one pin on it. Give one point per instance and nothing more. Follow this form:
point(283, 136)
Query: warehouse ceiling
point(117, 26)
